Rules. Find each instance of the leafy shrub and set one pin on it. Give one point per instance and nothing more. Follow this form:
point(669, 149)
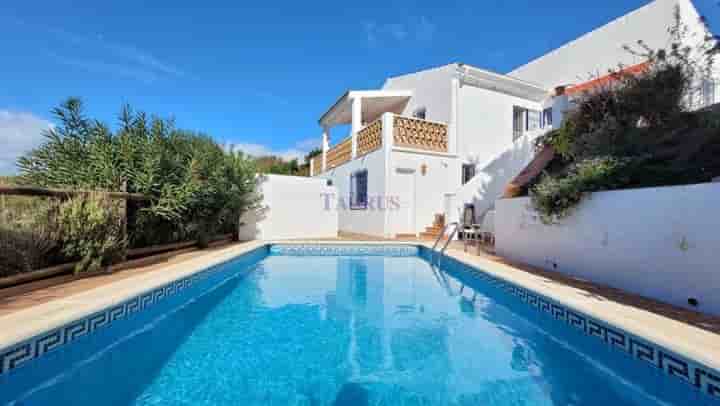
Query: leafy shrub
point(554, 197)
point(23, 249)
point(26, 243)
point(637, 130)
point(89, 229)
point(193, 183)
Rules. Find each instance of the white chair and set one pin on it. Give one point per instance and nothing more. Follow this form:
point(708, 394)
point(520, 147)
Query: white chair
point(470, 230)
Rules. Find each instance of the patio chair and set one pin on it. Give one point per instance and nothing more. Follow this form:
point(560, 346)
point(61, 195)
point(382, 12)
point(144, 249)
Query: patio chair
point(487, 228)
point(470, 230)
point(482, 233)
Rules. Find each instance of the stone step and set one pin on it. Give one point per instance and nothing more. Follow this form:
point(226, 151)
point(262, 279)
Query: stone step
point(434, 229)
point(429, 236)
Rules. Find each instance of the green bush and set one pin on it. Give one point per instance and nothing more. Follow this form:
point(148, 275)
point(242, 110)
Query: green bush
point(194, 184)
point(89, 229)
point(26, 243)
point(635, 131)
point(26, 248)
point(554, 197)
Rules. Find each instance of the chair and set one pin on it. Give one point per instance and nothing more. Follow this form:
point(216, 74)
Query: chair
point(487, 229)
point(483, 233)
point(470, 230)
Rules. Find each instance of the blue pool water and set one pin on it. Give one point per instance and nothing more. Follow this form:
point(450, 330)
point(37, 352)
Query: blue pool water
point(340, 330)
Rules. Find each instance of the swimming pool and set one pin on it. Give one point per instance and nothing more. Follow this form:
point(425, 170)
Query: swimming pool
point(345, 325)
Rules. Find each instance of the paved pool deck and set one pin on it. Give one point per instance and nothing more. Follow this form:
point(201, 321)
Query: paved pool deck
point(28, 311)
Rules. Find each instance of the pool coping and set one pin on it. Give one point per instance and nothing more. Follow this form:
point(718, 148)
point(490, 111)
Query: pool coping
point(28, 323)
point(687, 341)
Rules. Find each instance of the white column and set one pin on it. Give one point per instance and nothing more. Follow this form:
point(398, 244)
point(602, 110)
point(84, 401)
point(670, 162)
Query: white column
point(388, 120)
point(325, 146)
point(312, 167)
point(356, 123)
point(452, 125)
point(387, 130)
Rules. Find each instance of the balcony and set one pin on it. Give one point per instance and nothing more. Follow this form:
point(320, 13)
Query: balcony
point(420, 134)
point(403, 132)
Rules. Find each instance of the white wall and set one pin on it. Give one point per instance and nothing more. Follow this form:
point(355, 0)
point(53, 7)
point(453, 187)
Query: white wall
point(661, 243)
point(441, 176)
point(292, 207)
point(485, 132)
point(368, 221)
point(431, 89)
point(602, 49)
point(485, 123)
point(491, 178)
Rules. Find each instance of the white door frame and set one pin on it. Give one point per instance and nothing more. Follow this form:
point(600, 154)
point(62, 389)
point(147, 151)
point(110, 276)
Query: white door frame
point(413, 203)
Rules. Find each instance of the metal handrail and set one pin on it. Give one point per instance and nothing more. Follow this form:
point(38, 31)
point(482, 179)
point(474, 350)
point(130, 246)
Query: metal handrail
point(437, 241)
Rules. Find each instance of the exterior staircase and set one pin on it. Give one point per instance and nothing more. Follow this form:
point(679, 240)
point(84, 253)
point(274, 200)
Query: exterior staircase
point(434, 231)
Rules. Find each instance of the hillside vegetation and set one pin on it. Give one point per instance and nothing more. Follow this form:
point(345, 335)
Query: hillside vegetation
point(638, 130)
point(195, 188)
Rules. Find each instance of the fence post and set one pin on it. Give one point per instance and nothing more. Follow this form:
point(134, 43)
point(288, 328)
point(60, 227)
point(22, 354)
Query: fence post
point(123, 218)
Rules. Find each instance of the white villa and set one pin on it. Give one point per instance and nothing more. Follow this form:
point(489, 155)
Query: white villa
point(433, 141)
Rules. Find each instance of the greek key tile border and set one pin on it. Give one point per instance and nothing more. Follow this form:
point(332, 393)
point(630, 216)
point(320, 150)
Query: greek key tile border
point(699, 376)
point(696, 375)
point(344, 250)
point(19, 354)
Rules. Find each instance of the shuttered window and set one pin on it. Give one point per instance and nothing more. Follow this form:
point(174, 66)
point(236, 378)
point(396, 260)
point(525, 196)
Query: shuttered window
point(358, 190)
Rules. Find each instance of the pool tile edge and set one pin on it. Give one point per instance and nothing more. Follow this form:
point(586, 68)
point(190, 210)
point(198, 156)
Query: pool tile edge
point(25, 328)
point(697, 368)
point(31, 330)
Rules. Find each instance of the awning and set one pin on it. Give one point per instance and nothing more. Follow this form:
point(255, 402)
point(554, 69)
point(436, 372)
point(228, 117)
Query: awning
point(374, 104)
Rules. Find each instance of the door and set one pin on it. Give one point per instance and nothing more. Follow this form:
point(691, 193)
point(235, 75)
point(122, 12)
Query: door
point(403, 214)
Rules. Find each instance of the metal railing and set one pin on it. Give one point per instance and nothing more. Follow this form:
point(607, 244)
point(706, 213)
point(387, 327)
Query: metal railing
point(447, 242)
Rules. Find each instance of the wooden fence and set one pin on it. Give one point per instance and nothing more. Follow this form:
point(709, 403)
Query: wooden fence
point(134, 253)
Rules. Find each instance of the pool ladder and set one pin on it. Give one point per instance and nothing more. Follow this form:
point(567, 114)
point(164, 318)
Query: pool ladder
point(437, 241)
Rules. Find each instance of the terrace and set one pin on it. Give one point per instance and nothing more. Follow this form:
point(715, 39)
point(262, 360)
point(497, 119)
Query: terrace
point(375, 120)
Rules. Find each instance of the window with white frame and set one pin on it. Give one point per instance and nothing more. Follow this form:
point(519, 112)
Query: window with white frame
point(468, 172)
point(546, 118)
point(518, 122)
point(525, 120)
point(358, 189)
point(533, 120)
point(708, 92)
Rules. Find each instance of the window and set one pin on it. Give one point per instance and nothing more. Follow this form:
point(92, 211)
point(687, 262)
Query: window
point(468, 172)
point(525, 120)
point(547, 118)
point(358, 190)
point(533, 120)
point(420, 113)
point(708, 92)
point(518, 122)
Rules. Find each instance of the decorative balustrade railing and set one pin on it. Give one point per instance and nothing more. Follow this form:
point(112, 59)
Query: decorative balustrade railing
point(407, 132)
point(339, 154)
point(369, 138)
point(420, 134)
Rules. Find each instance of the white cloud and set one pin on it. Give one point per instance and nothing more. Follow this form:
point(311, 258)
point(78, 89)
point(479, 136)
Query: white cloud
point(19, 133)
point(308, 144)
point(298, 151)
point(115, 69)
point(114, 58)
point(410, 29)
point(96, 54)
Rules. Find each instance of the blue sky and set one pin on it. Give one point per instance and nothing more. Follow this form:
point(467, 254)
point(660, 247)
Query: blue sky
point(257, 74)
